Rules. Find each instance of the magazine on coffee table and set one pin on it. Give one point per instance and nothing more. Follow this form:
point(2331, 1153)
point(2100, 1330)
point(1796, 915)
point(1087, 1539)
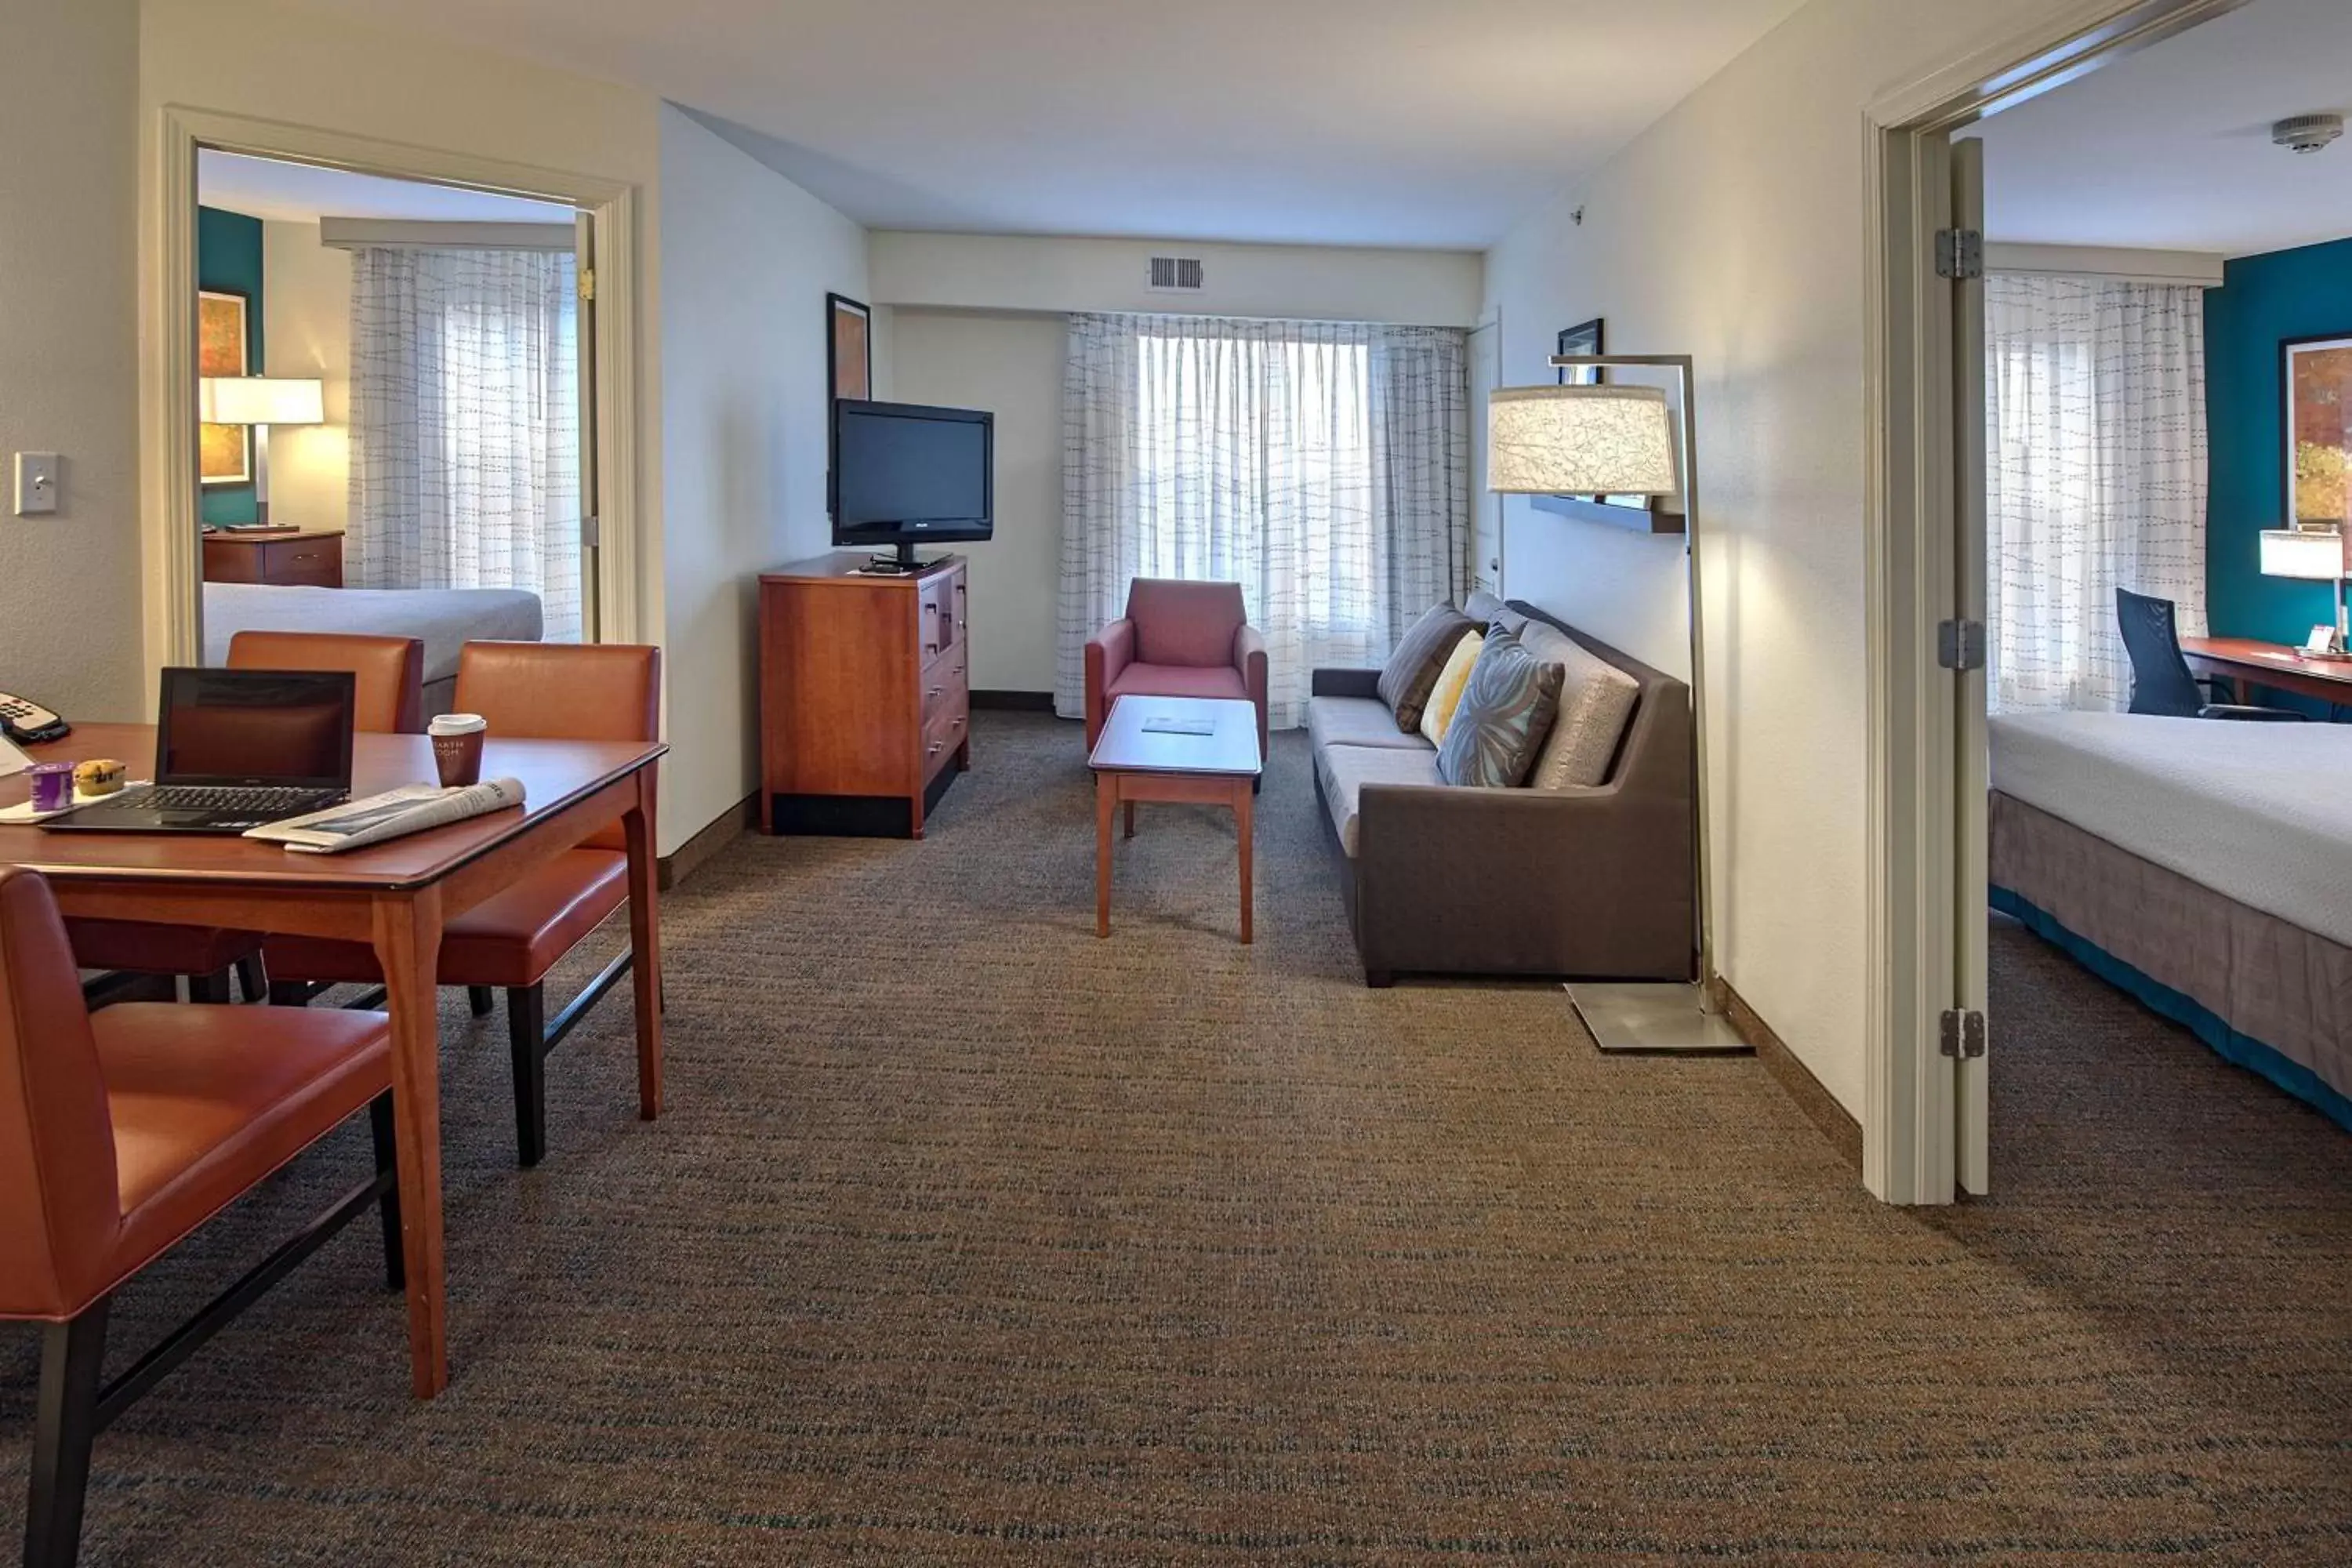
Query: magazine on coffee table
point(394, 814)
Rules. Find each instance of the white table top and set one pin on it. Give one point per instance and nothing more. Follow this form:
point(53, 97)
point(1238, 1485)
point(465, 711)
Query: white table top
point(1127, 746)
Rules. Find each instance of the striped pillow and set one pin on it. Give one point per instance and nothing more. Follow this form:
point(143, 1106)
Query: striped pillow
point(1413, 669)
point(1505, 713)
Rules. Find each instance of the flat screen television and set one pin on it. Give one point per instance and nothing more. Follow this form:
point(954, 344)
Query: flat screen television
point(903, 473)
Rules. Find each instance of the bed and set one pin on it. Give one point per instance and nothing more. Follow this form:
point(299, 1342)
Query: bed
point(2204, 867)
point(446, 619)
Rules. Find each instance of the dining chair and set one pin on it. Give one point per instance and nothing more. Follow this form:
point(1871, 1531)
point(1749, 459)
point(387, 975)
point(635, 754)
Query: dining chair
point(123, 1131)
point(2162, 683)
point(388, 698)
point(560, 691)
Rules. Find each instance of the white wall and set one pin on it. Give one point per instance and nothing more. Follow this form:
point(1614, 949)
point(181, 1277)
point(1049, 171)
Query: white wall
point(1316, 283)
point(306, 308)
point(1010, 366)
point(70, 633)
point(1734, 230)
point(747, 260)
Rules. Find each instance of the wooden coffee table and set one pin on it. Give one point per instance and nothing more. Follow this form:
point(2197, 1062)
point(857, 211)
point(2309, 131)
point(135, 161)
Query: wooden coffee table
point(1139, 759)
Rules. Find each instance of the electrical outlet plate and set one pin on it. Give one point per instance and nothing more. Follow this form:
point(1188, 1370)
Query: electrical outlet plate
point(36, 483)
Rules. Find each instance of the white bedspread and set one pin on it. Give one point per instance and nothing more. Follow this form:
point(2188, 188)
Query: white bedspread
point(2259, 812)
point(447, 618)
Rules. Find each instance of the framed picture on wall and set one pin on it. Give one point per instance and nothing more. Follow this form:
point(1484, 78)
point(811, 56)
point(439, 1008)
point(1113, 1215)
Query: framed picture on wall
point(2316, 377)
point(1584, 338)
point(848, 347)
point(224, 452)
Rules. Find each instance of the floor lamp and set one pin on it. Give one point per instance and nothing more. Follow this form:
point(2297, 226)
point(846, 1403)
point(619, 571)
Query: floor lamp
point(1625, 440)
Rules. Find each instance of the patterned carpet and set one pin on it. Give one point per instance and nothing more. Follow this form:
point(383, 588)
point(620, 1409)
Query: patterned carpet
point(969, 1238)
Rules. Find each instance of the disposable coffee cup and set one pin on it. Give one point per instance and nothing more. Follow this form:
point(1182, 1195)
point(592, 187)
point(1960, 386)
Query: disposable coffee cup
point(458, 747)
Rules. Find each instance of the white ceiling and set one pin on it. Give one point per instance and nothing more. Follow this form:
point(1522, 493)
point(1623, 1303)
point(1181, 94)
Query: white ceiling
point(1413, 122)
point(300, 193)
point(2170, 149)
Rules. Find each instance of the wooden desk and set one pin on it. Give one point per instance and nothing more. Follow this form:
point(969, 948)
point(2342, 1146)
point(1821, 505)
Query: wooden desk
point(2243, 662)
point(395, 896)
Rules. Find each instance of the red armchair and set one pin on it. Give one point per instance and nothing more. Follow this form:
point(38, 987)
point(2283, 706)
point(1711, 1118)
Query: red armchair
point(1177, 639)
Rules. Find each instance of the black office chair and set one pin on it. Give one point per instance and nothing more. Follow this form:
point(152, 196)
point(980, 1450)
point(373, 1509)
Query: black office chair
point(2161, 681)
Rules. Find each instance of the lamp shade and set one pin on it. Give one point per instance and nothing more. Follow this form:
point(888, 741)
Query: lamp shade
point(1569, 440)
point(2314, 554)
point(260, 400)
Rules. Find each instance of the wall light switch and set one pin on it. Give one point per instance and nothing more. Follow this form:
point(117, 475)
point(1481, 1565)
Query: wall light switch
point(36, 483)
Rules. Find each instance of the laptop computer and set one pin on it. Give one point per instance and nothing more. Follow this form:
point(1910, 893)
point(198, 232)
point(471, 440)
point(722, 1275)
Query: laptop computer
point(236, 749)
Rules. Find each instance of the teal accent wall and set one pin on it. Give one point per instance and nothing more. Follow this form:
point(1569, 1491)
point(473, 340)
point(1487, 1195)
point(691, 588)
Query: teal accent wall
point(2264, 302)
point(228, 257)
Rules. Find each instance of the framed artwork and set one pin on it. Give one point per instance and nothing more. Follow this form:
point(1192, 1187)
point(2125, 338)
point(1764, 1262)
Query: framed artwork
point(1584, 338)
point(224, 452)
point(2316, 377)
point(848, 347)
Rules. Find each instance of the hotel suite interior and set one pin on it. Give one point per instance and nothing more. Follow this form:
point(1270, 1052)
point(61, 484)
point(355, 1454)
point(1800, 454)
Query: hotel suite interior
point(1302, 783)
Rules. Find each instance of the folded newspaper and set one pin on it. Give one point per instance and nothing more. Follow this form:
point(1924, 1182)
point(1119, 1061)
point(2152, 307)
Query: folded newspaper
point(394, 814)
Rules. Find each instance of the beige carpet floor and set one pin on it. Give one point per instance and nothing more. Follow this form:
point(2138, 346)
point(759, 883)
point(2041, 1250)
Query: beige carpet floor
point(969, 1238)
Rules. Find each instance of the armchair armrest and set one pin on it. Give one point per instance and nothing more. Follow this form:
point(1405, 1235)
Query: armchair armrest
point(1108, 652)
point(1249, 658)
point(1346, 683)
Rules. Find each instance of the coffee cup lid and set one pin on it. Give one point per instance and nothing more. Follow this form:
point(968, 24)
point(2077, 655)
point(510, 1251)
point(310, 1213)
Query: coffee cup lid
point(457, 724)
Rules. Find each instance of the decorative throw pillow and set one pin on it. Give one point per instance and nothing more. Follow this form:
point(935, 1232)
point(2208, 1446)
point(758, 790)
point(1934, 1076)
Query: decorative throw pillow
point(1596, 698)
point(1505, 713)
point(1486, 610)
point(1413, 669)
point(1438, 712)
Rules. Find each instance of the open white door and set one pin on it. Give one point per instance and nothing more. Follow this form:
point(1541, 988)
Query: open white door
point(583, 337)
point(1971, 1059)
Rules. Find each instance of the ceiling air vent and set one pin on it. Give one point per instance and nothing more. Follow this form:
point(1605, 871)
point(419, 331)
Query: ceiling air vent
point(1176, 275)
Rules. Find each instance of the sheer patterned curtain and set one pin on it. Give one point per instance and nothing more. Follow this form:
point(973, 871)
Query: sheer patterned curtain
point(466, 424)
point(1323, 466)
point(2095, 413)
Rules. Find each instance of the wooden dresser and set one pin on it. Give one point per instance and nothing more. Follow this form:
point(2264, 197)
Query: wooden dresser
point(311, 559)
point(864, 695)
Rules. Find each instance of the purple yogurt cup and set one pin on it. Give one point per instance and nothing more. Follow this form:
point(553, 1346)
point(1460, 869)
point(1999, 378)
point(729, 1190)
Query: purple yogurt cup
point(52, 785)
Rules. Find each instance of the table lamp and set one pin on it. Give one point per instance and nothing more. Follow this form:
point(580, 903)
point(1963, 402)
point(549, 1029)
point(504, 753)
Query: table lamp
point(261, 401)
point(2312, 552)
point(1622, 440)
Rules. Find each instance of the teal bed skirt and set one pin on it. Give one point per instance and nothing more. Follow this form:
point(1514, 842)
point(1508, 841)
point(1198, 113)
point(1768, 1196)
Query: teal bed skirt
point(2207, 1026)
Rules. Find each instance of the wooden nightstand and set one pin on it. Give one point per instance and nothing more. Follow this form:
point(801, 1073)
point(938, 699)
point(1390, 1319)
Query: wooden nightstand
point(311, 559)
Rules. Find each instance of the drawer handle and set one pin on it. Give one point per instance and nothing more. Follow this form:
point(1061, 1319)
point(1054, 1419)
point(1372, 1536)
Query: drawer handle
point(937, 689)
point(935, 747)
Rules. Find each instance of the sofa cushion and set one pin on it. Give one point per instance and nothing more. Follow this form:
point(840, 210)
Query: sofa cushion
point(1596, 700)
point(1413, 668)
point(1489, 611)
point(1357, 722)
point(1346, 770)
point(1504, 717)
point(1446, 695)
point(1184, 623)
point(1179, 680)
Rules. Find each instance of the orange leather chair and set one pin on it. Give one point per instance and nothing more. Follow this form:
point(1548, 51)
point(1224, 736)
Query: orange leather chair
point(388, 698)
point(121, 1132)
point(607, 691)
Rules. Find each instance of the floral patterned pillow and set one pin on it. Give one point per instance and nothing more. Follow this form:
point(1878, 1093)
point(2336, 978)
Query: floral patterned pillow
point(1504, 715)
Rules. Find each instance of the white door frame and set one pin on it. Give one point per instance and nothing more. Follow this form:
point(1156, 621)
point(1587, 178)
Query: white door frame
point(173, 558)
point(1918, 815)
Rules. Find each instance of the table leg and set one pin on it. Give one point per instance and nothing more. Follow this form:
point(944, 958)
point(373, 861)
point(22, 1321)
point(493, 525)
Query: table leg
point(1130, 818)
point(1244, 799)
point(1106, 801)
point(645, 944)
point(407, 936)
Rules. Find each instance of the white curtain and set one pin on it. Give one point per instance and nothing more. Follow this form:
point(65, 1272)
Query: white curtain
point(464, 427)
point(1323, 466)
point(2095, 413)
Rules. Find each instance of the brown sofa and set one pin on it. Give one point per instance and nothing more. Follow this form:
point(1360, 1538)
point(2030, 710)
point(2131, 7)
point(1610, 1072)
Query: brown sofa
point(1582, 883)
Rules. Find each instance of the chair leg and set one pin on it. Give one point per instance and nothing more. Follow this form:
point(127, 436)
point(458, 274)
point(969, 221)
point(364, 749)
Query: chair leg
point(211, 989)
point(527, 1040)
point(252, 978)
point(71, 1355)
point(481, 999)
point(395, 1273)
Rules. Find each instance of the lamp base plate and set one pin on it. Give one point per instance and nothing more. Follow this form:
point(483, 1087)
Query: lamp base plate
point(1654, 1019)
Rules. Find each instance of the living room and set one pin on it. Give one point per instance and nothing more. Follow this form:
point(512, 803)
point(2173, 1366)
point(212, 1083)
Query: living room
point(1110, 1158)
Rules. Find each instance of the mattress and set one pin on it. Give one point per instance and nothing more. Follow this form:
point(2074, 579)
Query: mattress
point(446, 619)
point(2258, 812)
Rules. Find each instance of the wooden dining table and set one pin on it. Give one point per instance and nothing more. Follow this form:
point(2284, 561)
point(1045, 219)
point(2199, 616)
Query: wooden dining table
point(396, 897)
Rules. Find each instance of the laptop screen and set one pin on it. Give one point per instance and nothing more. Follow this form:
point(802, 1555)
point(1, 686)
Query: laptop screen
point(287, 727)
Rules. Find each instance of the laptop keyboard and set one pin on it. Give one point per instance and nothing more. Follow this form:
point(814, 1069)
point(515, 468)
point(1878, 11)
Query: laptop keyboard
point(242, 800)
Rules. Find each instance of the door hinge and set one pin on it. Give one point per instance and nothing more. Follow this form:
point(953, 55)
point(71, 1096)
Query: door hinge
point(1961, 1034)
point(587, 285)
point(592, 531)
point(1960, 644)
point(1959, 253)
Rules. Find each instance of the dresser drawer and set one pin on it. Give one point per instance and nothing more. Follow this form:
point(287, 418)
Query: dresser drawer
point(945, 683)
point(943, 735)
point(303, 563)
point(938, 617)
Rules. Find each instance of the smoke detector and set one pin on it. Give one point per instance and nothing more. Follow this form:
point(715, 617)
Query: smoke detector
point(2307, 132)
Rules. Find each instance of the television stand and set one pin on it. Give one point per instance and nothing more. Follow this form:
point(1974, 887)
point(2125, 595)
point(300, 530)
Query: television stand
point(902, 563)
